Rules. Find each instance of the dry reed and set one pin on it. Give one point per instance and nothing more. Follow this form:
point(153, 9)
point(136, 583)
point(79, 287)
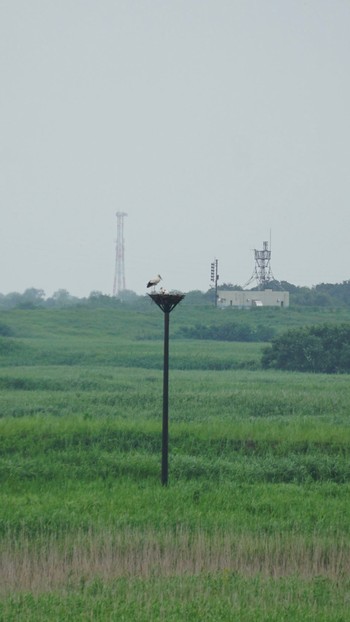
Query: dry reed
point(51, 562)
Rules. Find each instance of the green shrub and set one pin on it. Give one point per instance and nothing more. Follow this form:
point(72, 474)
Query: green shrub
point(323, 349)
point(5, 331)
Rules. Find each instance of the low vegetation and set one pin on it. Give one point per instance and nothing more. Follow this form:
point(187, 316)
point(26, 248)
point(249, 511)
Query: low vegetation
point(230, 331)
point(323, 349)
point(255, 522)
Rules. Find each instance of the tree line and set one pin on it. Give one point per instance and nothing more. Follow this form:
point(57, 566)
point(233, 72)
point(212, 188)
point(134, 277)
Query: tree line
point(321, 295)
point(321, 349)
point(326, 295)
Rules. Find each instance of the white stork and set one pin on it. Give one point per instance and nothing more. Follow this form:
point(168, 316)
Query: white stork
point(153, 282)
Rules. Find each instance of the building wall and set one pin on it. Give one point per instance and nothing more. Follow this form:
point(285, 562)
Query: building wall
point(246, 299)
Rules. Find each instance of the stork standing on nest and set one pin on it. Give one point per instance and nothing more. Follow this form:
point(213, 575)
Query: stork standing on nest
point(153, 282)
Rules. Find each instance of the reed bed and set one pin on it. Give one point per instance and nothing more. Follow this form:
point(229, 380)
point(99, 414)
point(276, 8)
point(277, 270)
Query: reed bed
point(51, 563)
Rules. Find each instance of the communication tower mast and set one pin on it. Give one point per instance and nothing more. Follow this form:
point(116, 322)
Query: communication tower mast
point(214, 277)
point(119, 273)
point(262, 272)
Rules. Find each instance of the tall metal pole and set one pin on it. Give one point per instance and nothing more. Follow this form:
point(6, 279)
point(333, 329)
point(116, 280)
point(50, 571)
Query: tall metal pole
point(166, 302)
point(119, 272)
point(214, 277)
point(165, 427)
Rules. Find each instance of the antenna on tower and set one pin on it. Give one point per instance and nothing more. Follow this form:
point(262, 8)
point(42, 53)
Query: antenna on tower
point(262, 272)
point(119, 273)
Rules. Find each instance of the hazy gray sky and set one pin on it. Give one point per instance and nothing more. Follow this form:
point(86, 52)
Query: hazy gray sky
point(210, 122)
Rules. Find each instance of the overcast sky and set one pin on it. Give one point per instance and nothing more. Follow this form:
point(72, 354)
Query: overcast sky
point(209, 122)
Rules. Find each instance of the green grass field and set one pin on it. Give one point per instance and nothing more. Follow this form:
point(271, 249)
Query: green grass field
point(255, 522)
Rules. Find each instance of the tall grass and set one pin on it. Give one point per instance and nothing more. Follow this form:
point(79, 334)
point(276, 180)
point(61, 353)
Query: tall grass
point(200, 396)
point(255, 522)
point(49, 564)
point(223, 596)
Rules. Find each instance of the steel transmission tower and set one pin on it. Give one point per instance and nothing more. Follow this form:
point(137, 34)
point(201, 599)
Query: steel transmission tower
point(214, 277)
point(119, 273)
point(262, 273)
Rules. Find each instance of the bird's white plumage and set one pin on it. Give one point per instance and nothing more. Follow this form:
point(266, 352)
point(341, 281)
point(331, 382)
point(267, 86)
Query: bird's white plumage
point(153, 282)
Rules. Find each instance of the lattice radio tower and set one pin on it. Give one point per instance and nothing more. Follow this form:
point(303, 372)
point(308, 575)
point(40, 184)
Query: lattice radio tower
point(262, 272)
point(119, 273)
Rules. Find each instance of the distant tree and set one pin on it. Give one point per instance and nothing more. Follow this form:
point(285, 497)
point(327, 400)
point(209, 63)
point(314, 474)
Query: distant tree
point(306, 297)
point(96, 299)
point(288, 287)
point(128, 295)
point(324, 349)
point(197, 297)
point(230, 287)
point(62, 295)
point(32, 298)
point(61, 298)
point(11, 300)
point(95, 293)
point(339, 293)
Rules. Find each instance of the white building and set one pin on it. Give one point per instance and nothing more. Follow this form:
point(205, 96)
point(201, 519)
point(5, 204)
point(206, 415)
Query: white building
point(245, 299)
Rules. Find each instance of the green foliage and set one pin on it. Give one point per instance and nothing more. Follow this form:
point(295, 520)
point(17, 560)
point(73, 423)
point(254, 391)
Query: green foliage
point(338, 293)
point(231, 331)
point(255, 522)
point(214, 597)
point(5, 331)
point(9, 347)
point(323, 296)
point(323, 349)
